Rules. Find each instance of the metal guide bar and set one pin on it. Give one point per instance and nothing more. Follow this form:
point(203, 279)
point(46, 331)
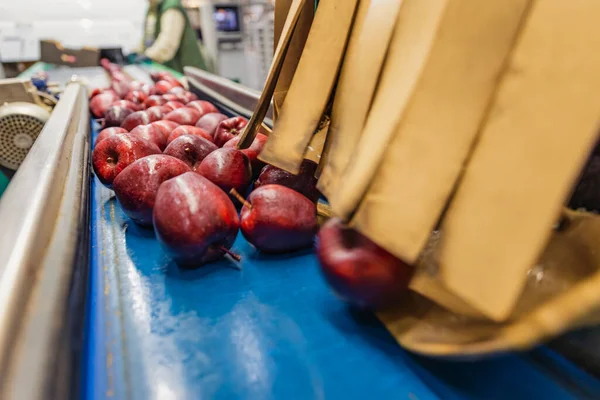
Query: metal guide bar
point(233, 96)
point(44, 219)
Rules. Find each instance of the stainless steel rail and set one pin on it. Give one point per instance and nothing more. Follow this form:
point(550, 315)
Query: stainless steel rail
point(238, 99)
point(43, 257)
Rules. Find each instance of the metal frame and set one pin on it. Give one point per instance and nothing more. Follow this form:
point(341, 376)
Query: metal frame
point(43, 258)
point(234, 98)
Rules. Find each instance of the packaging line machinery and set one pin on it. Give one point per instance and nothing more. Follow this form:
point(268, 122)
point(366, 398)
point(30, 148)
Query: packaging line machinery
point(92, 308)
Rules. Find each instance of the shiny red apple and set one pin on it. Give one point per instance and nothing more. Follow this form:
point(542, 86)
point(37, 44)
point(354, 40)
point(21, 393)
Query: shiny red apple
point(210, 122)
point(191, 149)
point(108, 132)
point(252, 152)
point(101, 102)
point(136, 96)
point(184, 116)
point(113, 154)
point(138, 118)
point(277, 219)
point(166, 127)
point(203, 106)
point(304, 182)
point(358, 270)
point(187, 130)
point(203, 225)
point(136, 186)
point(154, 100)
point(228, 169)
point(152, 134)
point(228, 129)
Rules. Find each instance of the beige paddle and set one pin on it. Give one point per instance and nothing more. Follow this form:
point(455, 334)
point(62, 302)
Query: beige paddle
point(312, 85)
point(431, 142)
point(247, 137)
point(367, 47)
point(294, 52)
point(561, 294)
point(539, 132)
point(412, 39)
point(317, 143)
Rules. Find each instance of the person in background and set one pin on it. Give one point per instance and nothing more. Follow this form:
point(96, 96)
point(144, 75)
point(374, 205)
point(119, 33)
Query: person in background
point(169, 37)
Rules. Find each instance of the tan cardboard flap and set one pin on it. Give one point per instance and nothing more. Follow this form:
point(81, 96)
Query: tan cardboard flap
point(317, 143)
point(409, 48)
point(432, 141)
point(541, 128)
point(282, 8)
point(371, 34)
point(426, 281)
point(249, 133)
point(312, 84)
point(562, 294)
point(294, 52)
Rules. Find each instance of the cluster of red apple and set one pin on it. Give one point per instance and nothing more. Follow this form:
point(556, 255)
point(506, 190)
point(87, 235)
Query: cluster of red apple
point(173, 163)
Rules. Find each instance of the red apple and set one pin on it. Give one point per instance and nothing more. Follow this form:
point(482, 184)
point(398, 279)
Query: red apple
point(121, 87)
point(276, 219)
point(305, 182)
point(166, 127)
point(170, 97)
point(187, 130)
point(154, 100)
point(158, 112)
point(159, 75)
point(228, 169)
point(184, 116)
point(142, 87)
point(177, 90)
point(228, 129)
point(203, 225)
point(203, 106)
point(127, 104)
point(191, 149)
point(136, 96)
point(173, 105)
point(162, 87)
point(186, 97)
point(136, 186)
point(138, 118)
point(98, 91)
point(358, 270)
point(101, 102)
point(115, 115)
point(151, 134)
point(172, 80)
point(210, 122)
point(108, 132)
point(252, 152)
point(115, 153)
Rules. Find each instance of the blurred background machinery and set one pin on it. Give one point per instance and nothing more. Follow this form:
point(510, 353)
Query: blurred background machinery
point(236, 36)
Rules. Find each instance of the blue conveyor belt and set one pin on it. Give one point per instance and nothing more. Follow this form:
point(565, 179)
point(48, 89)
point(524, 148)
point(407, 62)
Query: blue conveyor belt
point(270, 331)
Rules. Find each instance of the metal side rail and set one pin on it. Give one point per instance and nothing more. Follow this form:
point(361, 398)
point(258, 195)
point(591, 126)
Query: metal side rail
point(232, 98)
point(44, 249)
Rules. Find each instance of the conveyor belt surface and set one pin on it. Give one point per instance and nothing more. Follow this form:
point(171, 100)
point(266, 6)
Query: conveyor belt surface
point(270, 330)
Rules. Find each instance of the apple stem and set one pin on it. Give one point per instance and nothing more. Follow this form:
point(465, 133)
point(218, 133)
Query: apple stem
point(230, 253)
point(238, 196)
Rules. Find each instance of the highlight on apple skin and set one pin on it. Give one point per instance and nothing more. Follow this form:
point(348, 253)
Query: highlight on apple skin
point(358, 270)
point(202, 228)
